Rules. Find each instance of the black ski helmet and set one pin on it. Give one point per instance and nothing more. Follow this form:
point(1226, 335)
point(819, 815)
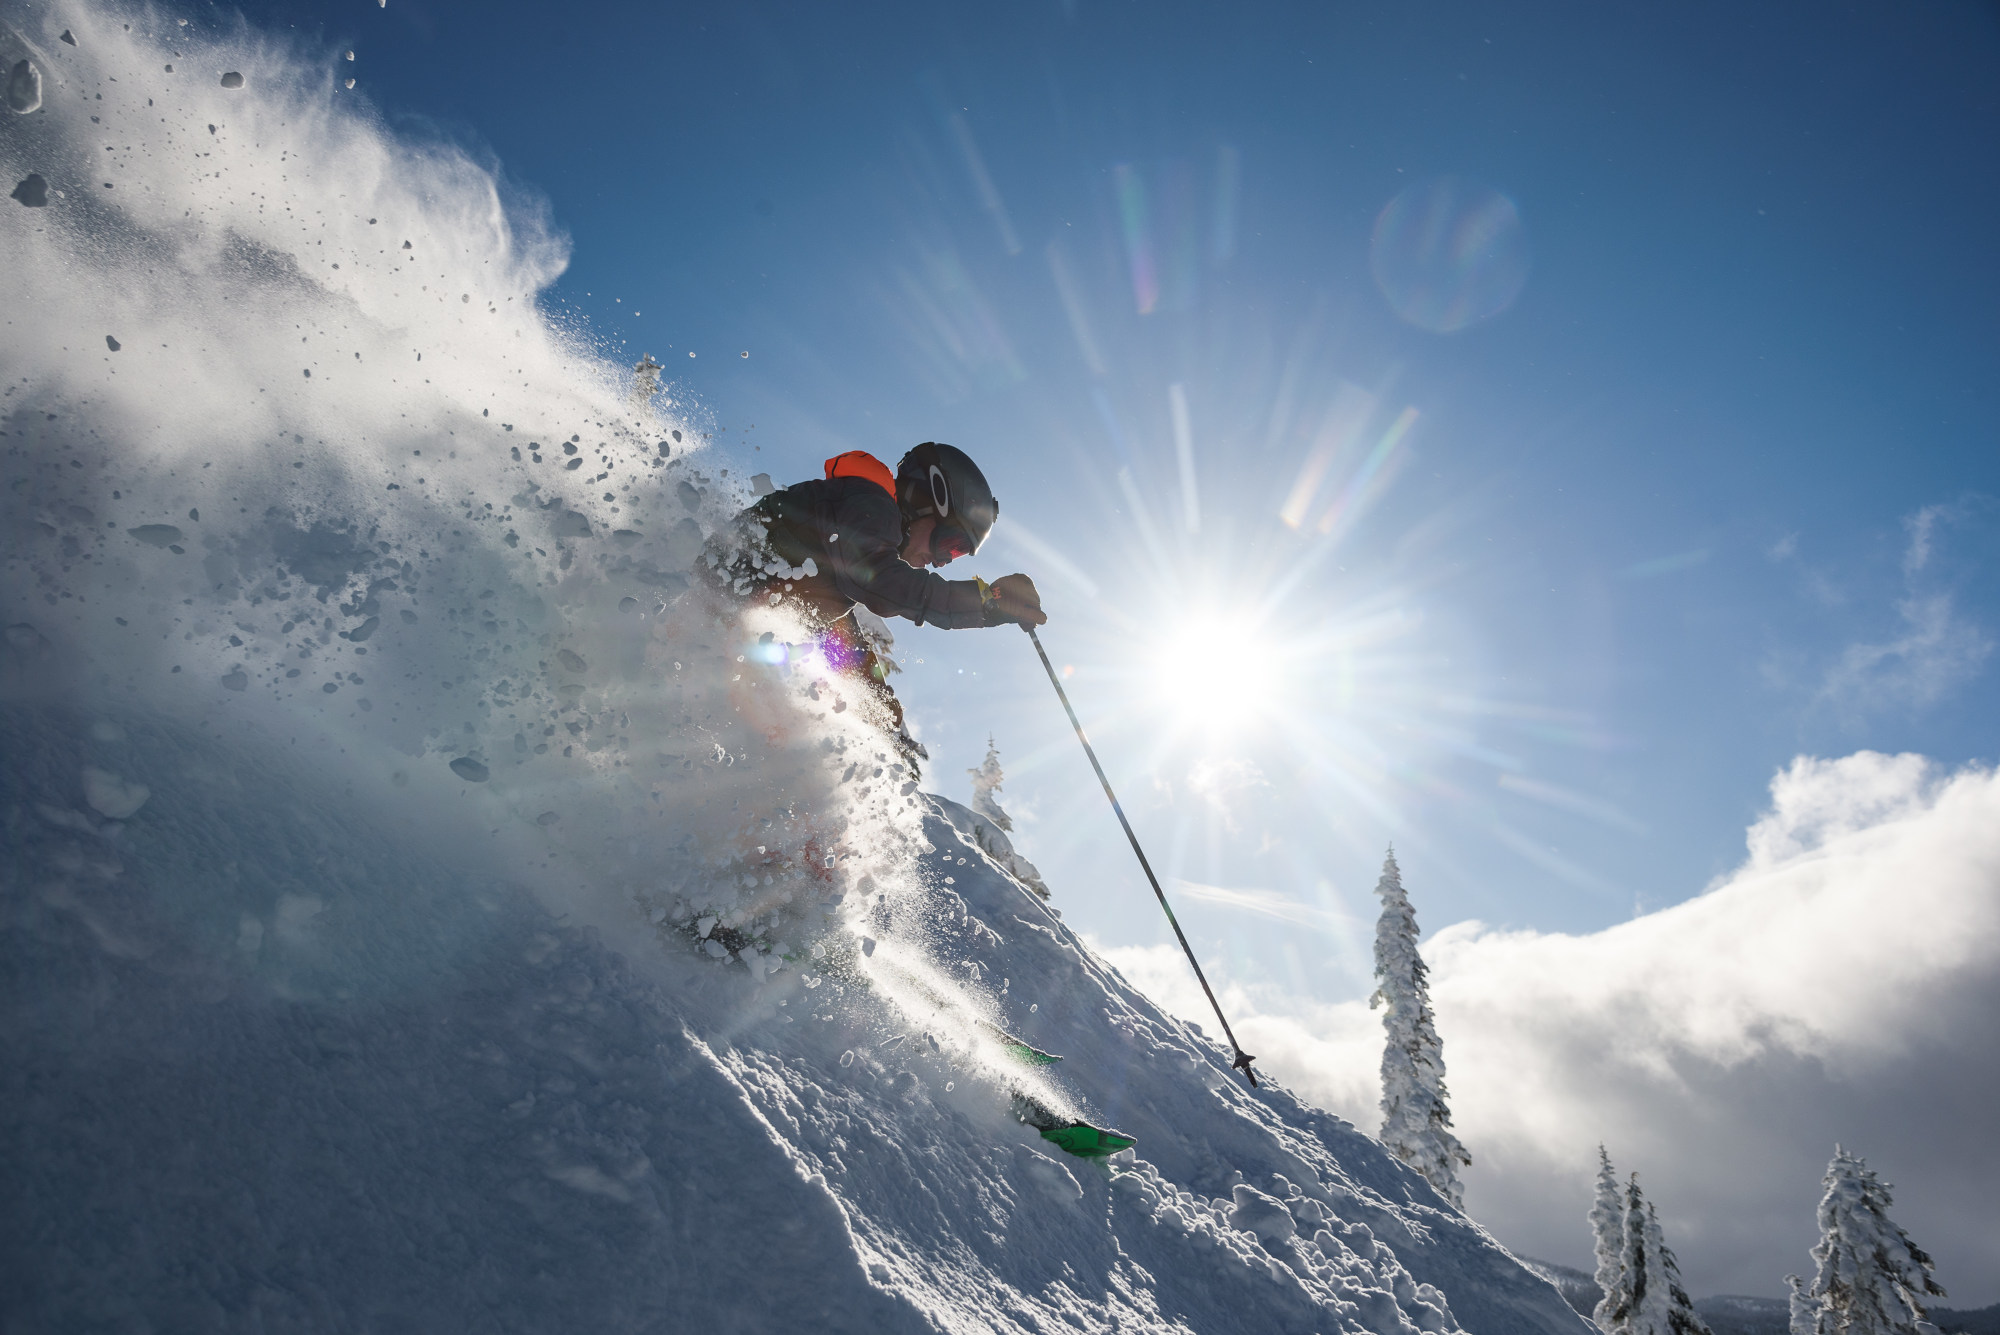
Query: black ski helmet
point(942, 480)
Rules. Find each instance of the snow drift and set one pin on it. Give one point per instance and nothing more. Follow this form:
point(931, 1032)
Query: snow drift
point(427, 909)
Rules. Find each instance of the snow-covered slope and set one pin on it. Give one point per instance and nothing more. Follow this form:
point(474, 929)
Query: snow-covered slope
point(423, 910)
point(267, 1061)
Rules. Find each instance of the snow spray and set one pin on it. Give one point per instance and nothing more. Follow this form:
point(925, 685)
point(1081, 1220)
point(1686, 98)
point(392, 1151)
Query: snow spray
point(298, 453)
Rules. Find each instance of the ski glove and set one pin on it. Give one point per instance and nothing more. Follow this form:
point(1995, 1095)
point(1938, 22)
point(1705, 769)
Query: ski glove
point(1012, 600)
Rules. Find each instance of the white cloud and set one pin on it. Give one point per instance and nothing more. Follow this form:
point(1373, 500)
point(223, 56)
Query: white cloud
point(1841, 984)
point(1936, 652)
point(1922, 525)
point(1937, 649)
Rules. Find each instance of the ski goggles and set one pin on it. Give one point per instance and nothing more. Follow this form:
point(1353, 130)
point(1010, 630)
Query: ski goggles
point(949, 542)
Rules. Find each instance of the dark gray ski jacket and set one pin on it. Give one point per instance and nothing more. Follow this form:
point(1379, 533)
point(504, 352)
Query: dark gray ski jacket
point(849, 525)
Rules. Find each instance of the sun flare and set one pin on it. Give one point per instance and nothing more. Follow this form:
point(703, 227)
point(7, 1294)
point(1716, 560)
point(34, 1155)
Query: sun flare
point(1216, 673)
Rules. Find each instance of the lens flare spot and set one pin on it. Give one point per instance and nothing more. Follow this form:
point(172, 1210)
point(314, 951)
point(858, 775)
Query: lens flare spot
point(1448, 253)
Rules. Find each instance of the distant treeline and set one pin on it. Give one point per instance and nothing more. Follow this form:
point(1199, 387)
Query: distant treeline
point(1732, 1314)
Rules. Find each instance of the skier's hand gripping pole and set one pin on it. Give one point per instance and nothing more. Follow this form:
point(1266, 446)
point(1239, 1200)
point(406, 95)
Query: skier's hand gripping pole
point(1243, 1059)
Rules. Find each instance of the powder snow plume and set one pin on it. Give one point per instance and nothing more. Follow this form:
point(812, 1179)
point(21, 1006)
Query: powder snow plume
point(296, 447)
point(435, 900)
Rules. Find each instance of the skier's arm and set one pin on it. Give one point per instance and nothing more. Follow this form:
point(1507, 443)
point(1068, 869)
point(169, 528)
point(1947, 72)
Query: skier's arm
point(867, 567)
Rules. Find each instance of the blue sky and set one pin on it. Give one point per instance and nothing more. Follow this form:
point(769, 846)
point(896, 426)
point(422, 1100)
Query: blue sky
point(1715, 489)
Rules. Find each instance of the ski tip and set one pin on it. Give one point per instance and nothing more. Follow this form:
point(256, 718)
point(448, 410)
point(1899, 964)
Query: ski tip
point(1086, 1141)
point(1030, 1056)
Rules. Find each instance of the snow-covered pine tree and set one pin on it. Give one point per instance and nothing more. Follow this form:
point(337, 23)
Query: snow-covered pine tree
point(1871, 1279)
point(1665, 1278)
point(1803, 1306)
point(1643, 1293)
point(989, 832)
point(1416, 1123)
point(986, 781)
point(1607, 1230)
point(1642, 1306)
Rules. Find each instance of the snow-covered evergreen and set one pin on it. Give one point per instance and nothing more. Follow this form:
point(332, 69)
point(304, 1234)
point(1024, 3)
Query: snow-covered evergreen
point(1416, 1122)
point(1643, 1293)
point(989, 832)
point(1641, 1309)
point(1607, 1230)
point(1870, 1278)
point(1802, 1305)
point(1665, 1281)
point(986, 781)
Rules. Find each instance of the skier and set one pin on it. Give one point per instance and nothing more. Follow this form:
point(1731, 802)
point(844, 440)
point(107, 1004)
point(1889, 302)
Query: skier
point(863, 535)
point(870, 534)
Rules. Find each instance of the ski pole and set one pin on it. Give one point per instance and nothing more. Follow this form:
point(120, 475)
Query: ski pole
point(1243, 1059)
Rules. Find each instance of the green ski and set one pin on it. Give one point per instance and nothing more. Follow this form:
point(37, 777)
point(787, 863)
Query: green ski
point(1086, 1141)
point(1020, 1049)
point(1079, 1138)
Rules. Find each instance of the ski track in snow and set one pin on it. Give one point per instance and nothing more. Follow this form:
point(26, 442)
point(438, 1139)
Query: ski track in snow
point(417, 915)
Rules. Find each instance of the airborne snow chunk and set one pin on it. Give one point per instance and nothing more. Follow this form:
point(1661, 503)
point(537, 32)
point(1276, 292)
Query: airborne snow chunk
point(111, 796)
point(24, 88)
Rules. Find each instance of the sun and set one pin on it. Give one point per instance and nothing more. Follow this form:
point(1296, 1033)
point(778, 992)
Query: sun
point(1215, 672)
